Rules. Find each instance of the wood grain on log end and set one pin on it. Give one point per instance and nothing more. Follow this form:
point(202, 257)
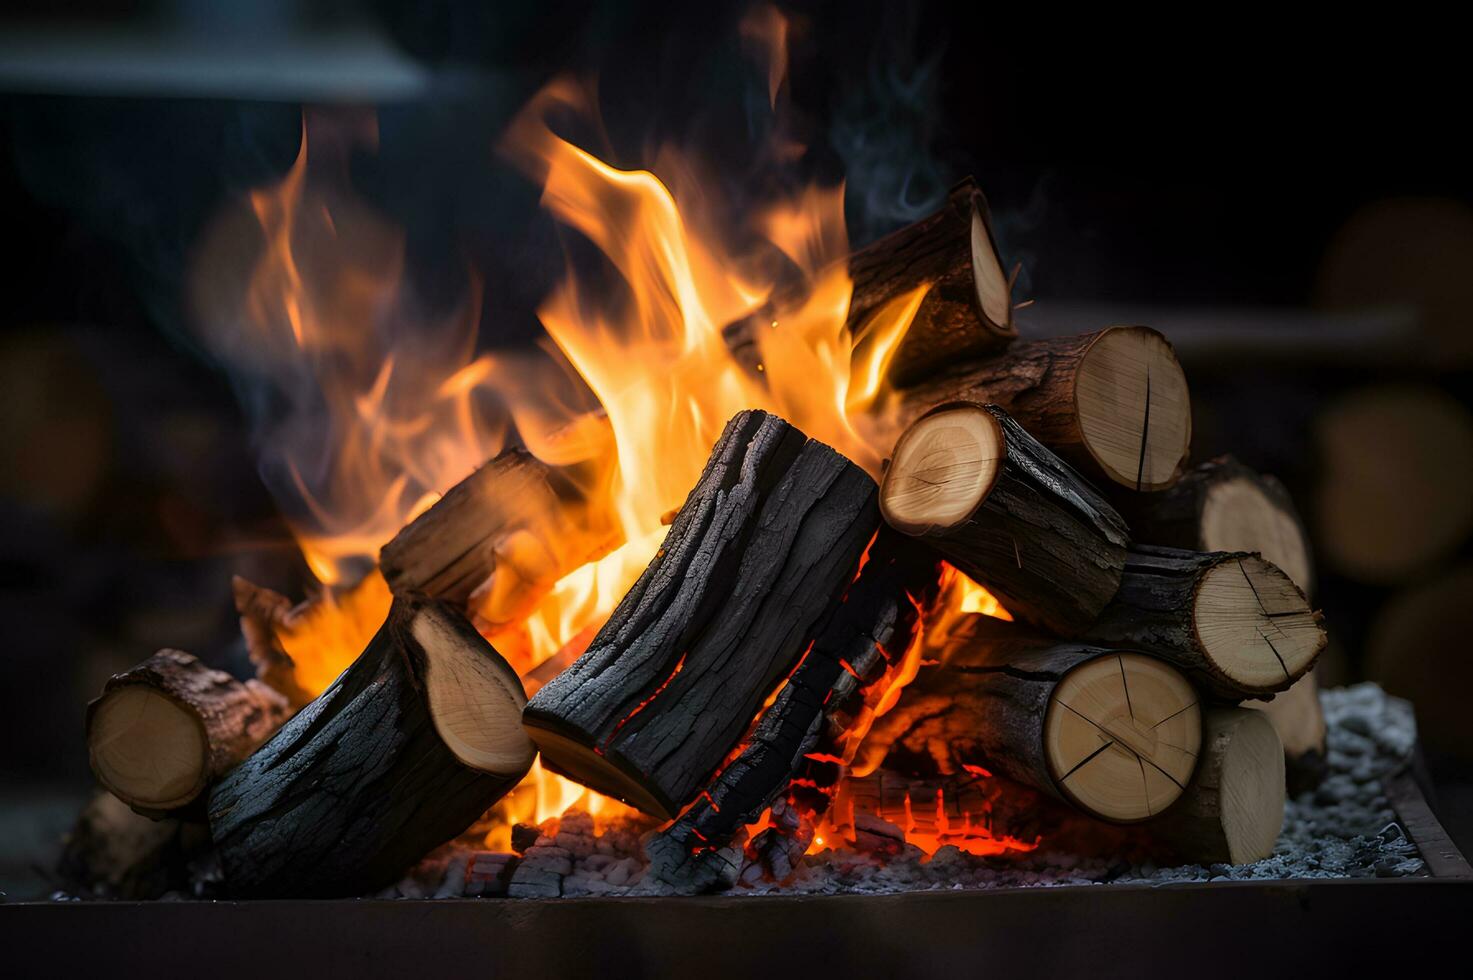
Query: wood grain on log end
point(1222, 505)
point(1233, 809)
point(1114, 403)
point(164, 730)
point(1122, 736)
point(1233, 621)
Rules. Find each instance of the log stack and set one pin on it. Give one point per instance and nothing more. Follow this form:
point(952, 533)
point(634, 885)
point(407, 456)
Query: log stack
point(777, 643)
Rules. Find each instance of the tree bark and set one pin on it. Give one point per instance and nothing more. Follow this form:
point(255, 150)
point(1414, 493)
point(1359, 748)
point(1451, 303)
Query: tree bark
point(868, 634)
point(405, 750)
point(165, 730)
point(761, 549)
point(967, 309)
point(1233, 622)
point(1040, 538)
point(1114, 403)
point(1233, 809)
point(1222, 505)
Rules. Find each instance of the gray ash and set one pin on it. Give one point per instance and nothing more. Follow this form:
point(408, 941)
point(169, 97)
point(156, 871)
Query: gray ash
point(1344, 829)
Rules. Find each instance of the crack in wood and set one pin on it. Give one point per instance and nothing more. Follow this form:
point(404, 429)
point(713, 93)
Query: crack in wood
point(1145, 430)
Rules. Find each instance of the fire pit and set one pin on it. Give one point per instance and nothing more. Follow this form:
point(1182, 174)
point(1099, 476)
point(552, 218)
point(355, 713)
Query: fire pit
point(788, 585)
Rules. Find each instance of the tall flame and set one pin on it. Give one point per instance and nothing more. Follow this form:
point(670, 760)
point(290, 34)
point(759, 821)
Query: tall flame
point(389, 407)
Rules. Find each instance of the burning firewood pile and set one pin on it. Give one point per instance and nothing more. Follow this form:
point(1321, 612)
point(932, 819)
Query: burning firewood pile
point(1030, 620)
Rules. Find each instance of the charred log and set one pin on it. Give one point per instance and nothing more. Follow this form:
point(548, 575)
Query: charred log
point(867, 634)
point(498, 540)
point(405, 750)
point(762, 548)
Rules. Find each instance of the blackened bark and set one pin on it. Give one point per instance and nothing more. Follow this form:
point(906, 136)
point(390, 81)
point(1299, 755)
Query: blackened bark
point(869, 631)
point(359, 785)
point(763, 546)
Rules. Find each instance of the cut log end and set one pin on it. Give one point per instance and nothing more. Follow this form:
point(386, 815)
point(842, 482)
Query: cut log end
point(943, 467)
point(1238, 515)
point(1133, 408)
point(1234, 808)
point(1254, 624)
point(994, 299)
point(1122, 735)
point(1252, 790)
point(149, 750)
point(475, 701)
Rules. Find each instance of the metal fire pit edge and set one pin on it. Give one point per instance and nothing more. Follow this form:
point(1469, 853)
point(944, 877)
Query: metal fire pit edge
point(1295, 927)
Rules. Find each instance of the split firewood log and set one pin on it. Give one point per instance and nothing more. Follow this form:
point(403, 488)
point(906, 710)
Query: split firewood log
point(1113, 732)
point(867, 635)
point(1232, 621)
point(404, 751)
point(1299, 719)
point(499, 540)
point(1222, 505)
point(164, 730)
point(967, 306)
point(1114, 404)
point(762, 548)
point(1008, 513)
point(1233, 809)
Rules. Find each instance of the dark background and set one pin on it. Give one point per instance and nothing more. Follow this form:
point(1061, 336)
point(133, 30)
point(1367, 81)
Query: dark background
point(1200, 164)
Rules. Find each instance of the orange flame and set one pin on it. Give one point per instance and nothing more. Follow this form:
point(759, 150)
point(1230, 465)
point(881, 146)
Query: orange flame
point(400, 407)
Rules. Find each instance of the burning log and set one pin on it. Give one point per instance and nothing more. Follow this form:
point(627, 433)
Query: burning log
point(875, 622)
point(1223, 505)
point(1299, 720)
point(498, 539)
point(762, 548)
point(1233, 809)
point(1008, 513)
point(262, 614)
point(165, 730)
point(1114, 733)
point(1114, 404)
point(405, 750)
point(1231, 620)
point(966, 311)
